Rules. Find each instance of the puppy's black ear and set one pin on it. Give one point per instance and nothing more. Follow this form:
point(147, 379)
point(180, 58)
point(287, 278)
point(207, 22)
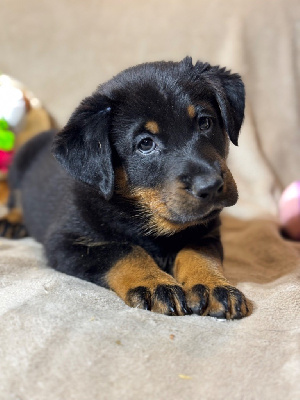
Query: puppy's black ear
point(83, 146)
point(229, 91)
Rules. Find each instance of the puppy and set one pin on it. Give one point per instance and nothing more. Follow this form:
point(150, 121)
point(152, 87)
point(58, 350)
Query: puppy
point(128, 194)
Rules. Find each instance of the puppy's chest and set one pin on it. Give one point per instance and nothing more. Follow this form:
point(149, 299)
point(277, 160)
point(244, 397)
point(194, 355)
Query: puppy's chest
point(164, 249)
point(164, 255)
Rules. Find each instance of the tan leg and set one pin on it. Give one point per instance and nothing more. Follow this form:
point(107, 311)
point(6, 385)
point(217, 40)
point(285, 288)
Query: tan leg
point(141, 283)
point(208, 292)
point(4, 192)
point(11, 224)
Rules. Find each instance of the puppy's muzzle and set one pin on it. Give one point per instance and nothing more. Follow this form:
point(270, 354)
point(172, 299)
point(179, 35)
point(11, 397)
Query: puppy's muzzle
point(207, 187)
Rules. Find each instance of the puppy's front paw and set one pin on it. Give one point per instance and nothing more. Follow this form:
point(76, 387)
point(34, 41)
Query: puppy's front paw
point(12, 228)
point(163, 299)
point(222, 301)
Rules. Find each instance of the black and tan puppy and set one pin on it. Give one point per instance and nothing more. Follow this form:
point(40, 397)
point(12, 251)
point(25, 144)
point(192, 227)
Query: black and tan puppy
point(131, 198)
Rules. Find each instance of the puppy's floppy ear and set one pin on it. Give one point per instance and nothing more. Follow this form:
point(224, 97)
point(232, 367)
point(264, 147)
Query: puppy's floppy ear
point(229, 91)
point(83, 147)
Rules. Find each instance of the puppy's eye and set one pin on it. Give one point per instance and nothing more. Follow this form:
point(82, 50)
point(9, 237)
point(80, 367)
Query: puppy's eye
point(146, 145)
point(204, 123)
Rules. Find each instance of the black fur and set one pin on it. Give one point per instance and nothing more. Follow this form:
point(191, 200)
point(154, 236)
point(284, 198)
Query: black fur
point(75, 206)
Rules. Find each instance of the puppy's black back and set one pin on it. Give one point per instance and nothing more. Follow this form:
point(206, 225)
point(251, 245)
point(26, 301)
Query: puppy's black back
point(42, 183)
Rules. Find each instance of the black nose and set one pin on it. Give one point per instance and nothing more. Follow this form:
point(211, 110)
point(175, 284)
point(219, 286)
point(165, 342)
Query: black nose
point(207, 187)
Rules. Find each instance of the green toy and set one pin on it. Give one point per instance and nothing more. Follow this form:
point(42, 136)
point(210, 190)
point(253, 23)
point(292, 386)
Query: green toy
point(7, 137)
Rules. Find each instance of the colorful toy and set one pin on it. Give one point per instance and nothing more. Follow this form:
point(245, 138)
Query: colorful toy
point(7, 141)
point(12, 113)
point(12, 103)
point(289, 211)
point(22, 116)
point(7, 137)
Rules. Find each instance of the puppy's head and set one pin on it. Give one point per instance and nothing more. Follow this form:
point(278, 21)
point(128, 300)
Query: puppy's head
point(158, 135)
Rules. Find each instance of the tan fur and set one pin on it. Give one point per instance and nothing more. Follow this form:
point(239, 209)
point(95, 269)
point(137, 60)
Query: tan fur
point(135, 270)
point(121, 182)
point(14, 216)
point(152, 127)
point(201, 265)
point(150, 203)
point(191, 111)
point(155, 203)
point(4, 192)
point(10, 222)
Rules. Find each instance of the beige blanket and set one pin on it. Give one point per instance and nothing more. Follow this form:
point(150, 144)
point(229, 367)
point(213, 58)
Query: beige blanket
point(63, 338)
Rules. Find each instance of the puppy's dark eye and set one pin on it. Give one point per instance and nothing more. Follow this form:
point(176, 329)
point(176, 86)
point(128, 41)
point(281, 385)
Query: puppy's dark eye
point(146, 145)
point(204, 123)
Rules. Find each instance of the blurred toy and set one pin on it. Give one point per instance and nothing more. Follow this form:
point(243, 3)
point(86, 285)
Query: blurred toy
point(7, 140)
point(22, 116)
point(13, 108)
point(7, 137)
point(12, 103)
point(289, 211)
point(22, 110)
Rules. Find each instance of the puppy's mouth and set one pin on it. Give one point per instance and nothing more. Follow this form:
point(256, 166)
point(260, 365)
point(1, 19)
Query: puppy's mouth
point(165, 221)
point(211, 215)
point(167, 214)
point(195, 218)
point(166, 225)
point(181, 207)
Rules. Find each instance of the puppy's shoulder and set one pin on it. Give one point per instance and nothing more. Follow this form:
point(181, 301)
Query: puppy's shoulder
point(27, 155)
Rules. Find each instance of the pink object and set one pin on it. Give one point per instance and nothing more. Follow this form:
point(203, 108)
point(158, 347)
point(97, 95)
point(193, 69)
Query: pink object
point(289, 211)
point(5, 160)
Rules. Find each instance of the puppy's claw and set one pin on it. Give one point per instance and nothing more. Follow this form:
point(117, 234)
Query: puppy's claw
point(223, 302)
point(12, 230)
point(164, 299)
point(198, 298)
point(139, 297)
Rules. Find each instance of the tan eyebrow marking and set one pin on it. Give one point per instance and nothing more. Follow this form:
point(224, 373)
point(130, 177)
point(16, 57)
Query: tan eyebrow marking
point(191, 111)
point(152, 127)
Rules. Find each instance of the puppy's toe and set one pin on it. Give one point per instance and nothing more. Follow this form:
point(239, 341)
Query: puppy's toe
point(169, 300)
point(224, 302)
point(11, 225)
point(163, 299)
point(139, 297)
point(12, 230)
point(228, 302)
point(198, 298)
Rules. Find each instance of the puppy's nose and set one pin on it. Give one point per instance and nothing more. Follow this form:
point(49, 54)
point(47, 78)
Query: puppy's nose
point(207, 188)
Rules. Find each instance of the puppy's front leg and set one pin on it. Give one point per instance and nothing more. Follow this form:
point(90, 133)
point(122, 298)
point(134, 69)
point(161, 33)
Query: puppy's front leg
point(208, 292)
point(141, 283)
point(128, 270)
